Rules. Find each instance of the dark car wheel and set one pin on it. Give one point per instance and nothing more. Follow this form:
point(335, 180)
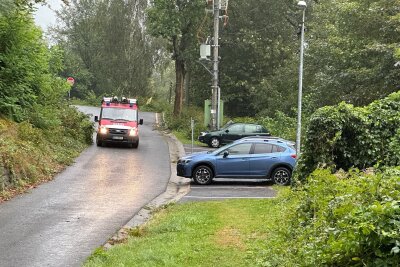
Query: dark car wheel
point(98, 142)
point(202, 175)
point(281, 176)
point(136, 144)
point(214, 142)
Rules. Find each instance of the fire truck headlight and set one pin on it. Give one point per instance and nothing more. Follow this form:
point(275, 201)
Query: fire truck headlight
point(132, 132)
point(103, 130)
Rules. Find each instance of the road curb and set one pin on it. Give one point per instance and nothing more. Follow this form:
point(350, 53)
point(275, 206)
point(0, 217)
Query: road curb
point(177, 188)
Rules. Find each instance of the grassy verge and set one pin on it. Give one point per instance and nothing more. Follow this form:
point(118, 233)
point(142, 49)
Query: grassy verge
point(227, 233)
point(30, 155)
point(182, 136)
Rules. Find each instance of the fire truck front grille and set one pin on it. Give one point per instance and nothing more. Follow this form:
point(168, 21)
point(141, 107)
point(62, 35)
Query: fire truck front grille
point(118, 131)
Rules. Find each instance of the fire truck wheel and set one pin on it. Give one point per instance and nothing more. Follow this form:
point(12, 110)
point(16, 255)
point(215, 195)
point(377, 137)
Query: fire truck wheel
point(135, 145)
point(99, 143)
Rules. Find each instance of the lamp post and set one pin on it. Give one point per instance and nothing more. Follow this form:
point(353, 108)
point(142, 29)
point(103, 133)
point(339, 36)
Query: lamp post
point(302, 5)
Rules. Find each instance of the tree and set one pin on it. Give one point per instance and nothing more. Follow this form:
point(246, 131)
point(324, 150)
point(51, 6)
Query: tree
point(258, 41)
point(352, 51)
point(177, 21)
point(107, 43)
point(24, 63)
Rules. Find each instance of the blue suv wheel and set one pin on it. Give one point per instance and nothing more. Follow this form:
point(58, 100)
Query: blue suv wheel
point(202, 175)
point(281, 176)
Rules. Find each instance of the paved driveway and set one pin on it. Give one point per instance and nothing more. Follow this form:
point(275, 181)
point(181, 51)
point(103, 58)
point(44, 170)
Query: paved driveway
point(222, 189)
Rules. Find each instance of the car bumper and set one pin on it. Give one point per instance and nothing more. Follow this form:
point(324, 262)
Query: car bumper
point(203, 139)
point(183, 170)
point(117, 138)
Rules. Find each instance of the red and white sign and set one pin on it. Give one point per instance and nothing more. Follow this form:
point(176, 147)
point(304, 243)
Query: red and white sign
point(70, 80)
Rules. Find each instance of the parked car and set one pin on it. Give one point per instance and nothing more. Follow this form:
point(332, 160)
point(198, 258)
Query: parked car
point(291, 144)
point(255, 158)
point(232, 132)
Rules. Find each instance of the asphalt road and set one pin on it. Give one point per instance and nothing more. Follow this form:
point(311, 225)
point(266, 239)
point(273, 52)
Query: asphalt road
point(61, 222)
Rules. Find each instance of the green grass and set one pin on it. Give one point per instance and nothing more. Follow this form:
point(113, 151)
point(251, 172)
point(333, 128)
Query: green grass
point(225, 233)
point(184, 140)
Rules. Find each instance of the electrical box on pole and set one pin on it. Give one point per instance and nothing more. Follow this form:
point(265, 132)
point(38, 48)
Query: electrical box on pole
point(205, 51)
point(223, 5)
point(207, 113)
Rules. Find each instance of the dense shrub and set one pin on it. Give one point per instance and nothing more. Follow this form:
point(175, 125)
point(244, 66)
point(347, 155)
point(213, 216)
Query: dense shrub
point(280, 125)
point(343, 136)
point(343, 219)
point(183, 122)
point(32, 152)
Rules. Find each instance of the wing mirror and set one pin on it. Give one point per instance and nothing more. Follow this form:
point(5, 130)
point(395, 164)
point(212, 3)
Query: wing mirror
point(226, 153)
point(227, 131)
point(96, 118)
point(141, 121)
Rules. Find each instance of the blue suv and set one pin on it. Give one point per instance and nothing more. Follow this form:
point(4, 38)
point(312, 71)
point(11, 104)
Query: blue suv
point(259, 158)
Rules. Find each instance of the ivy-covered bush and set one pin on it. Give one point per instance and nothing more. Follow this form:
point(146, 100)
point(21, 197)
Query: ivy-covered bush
point(342, 219)
point(344, 136)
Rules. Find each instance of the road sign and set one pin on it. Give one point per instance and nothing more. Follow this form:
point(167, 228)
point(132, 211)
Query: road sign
point(70, 80)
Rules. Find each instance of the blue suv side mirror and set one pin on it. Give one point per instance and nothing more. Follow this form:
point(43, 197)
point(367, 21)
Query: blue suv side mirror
point(226, 153)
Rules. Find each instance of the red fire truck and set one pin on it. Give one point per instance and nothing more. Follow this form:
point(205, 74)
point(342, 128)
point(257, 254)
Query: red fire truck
point(118, 122)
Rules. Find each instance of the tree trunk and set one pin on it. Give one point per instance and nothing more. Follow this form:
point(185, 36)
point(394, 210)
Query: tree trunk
point(179, 89)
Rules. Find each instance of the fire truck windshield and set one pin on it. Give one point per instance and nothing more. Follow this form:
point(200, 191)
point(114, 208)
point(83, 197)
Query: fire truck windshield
point(119, 114)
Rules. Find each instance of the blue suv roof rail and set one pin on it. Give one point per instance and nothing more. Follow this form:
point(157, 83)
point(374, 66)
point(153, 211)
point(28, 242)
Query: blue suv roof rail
point(267, 139)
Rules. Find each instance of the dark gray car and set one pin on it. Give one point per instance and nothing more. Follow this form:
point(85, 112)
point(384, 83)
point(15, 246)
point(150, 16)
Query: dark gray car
point(232, 132)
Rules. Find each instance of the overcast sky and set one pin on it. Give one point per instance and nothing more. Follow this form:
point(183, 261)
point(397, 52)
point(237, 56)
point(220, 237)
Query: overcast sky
point(45, 16)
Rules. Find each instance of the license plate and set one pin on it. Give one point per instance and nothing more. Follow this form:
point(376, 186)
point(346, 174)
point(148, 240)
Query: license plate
point(118, 137)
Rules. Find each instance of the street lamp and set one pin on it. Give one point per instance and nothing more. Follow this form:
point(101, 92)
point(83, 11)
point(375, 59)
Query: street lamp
point(301, 5)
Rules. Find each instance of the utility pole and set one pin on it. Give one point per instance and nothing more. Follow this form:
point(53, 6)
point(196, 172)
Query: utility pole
point(214, 86)
point(302, 5)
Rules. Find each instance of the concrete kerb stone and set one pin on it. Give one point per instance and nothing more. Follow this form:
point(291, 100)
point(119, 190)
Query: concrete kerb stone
point(177, 188)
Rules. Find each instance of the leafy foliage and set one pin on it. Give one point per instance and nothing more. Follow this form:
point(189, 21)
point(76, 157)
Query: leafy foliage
point(107, 49)
point(177, 22)
point(345, 136)
point(279, 125)
point(352, 46)
point(340, 220)
point(48, 134)
point(29, 154)
point(24, 69)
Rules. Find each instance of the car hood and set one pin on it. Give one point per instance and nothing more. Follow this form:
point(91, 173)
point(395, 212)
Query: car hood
point(196, 155)
point(210, 132)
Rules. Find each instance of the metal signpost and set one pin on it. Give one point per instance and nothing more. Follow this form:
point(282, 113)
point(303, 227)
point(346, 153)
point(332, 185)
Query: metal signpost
point(192, 127)
point(71, 82)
